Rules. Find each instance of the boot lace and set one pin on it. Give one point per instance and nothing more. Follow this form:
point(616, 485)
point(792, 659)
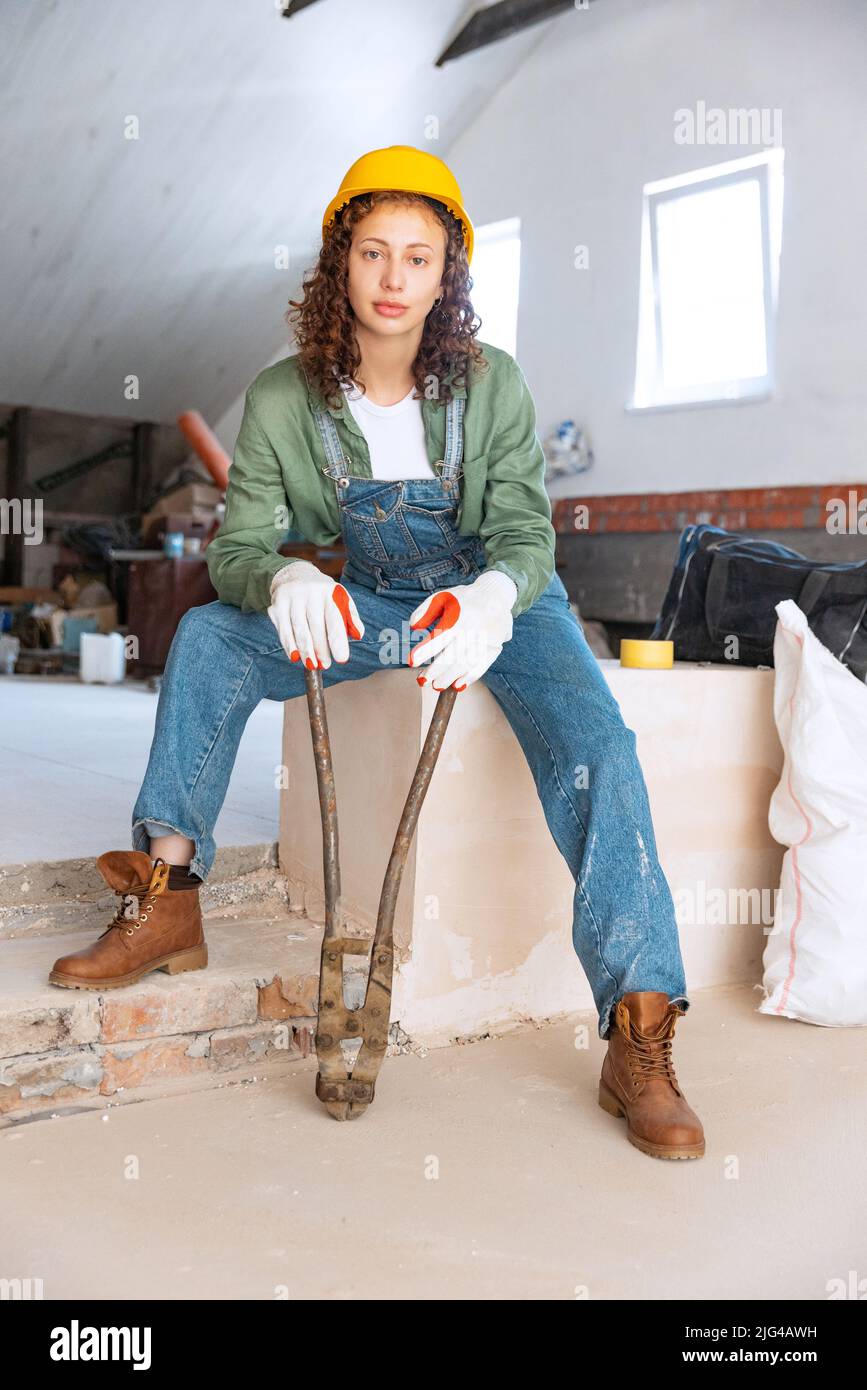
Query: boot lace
point(137, 902)
point(651, 1055)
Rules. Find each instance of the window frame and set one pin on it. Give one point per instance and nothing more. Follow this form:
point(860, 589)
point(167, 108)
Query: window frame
point(649, 393)
point(489, 234)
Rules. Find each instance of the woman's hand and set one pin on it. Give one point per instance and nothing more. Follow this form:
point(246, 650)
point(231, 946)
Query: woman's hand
point(472, 622)
point(314, 615)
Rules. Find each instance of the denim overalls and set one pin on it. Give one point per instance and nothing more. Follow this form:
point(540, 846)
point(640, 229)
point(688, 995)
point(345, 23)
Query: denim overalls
point(402, 541)
point(402, 536)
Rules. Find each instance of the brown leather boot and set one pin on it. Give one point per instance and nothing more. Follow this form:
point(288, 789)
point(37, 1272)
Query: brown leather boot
point(155, 928)
point(638, 1078)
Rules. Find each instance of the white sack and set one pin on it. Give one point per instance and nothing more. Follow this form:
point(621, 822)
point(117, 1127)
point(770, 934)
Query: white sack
point(815, 958)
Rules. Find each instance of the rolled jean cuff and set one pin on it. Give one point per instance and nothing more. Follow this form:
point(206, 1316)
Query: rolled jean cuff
point(143, 829)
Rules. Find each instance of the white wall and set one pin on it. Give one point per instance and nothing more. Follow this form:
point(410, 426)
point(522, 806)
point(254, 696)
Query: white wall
point(567, 144)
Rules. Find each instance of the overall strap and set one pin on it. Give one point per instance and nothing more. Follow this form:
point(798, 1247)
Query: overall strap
point(454, 445)
point(448, 468)
point(336, 467)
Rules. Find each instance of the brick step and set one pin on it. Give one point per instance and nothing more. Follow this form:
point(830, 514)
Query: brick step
point(250, 1012)
point(70, 894)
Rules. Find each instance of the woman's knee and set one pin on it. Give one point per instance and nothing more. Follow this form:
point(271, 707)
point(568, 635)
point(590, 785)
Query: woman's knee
point(207, 617)
point(222, 627)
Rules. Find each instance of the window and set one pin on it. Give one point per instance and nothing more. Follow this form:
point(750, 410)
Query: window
point(710, 250)
point(495, 272)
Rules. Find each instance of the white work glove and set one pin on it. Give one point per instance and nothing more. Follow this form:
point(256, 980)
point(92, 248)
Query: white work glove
point(314, 615)
point(471, 622)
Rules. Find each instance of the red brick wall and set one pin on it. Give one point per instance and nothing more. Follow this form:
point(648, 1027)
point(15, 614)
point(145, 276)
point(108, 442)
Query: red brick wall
point(735, 509)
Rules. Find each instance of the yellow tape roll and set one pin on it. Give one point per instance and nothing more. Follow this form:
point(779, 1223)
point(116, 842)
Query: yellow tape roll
point(649, 656)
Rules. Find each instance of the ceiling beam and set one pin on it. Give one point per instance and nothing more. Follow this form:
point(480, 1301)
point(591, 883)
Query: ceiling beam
point(502, 20)
point(292, 7)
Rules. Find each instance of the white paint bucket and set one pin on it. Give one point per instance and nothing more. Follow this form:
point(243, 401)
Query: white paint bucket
point(102, 657)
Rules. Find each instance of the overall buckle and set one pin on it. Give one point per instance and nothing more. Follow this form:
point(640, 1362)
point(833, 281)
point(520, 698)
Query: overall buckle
point(438, 467)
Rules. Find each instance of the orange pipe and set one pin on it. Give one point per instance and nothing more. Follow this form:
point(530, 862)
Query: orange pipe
point(206, 444)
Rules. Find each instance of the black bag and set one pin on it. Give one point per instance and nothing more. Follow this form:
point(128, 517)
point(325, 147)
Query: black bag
point(727, 585)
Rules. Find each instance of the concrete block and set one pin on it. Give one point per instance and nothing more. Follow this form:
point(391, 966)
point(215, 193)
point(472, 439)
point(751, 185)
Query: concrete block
point(49, 1081)
point(152, 1009)
point(43, 1028)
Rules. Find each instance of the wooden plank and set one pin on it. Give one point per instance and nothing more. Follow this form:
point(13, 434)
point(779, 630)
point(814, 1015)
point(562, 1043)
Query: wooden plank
point(16, 488)
point(142, 465)
point(20, 593)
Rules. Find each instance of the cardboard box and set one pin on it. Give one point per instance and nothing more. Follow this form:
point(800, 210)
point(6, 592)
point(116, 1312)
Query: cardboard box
point(105, 614)
point(193, 499)
point(153, 528)
point(188, 498)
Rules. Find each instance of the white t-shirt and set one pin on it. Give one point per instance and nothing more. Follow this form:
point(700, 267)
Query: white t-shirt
point(394, 434)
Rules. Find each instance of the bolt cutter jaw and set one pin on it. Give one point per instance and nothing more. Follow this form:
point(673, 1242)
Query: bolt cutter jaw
point(344, 1090)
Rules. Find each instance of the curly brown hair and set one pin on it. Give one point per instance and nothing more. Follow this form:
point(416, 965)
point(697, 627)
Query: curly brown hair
point(324, 321)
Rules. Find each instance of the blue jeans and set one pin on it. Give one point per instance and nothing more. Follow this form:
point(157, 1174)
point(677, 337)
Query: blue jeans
point(547, 682)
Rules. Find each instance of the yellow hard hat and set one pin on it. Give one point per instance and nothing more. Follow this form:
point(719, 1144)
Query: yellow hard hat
point(406, 168)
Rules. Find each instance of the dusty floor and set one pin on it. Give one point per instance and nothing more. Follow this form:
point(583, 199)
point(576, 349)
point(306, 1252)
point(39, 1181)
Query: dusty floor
point(80, 800)
point(483, 1171)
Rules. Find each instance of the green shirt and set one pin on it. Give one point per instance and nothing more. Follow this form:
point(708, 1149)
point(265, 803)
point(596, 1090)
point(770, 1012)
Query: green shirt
point(276, 480)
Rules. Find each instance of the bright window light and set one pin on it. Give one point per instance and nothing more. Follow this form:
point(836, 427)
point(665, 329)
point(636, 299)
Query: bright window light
point(710, 251)
point(495, 273)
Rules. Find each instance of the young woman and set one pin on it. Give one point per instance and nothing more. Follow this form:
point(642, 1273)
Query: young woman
point(394, 428)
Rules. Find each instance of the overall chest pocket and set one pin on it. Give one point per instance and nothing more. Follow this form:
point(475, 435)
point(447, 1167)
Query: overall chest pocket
point(384, 525)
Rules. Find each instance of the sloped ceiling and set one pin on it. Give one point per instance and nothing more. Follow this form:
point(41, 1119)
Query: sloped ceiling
point(154, 257)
